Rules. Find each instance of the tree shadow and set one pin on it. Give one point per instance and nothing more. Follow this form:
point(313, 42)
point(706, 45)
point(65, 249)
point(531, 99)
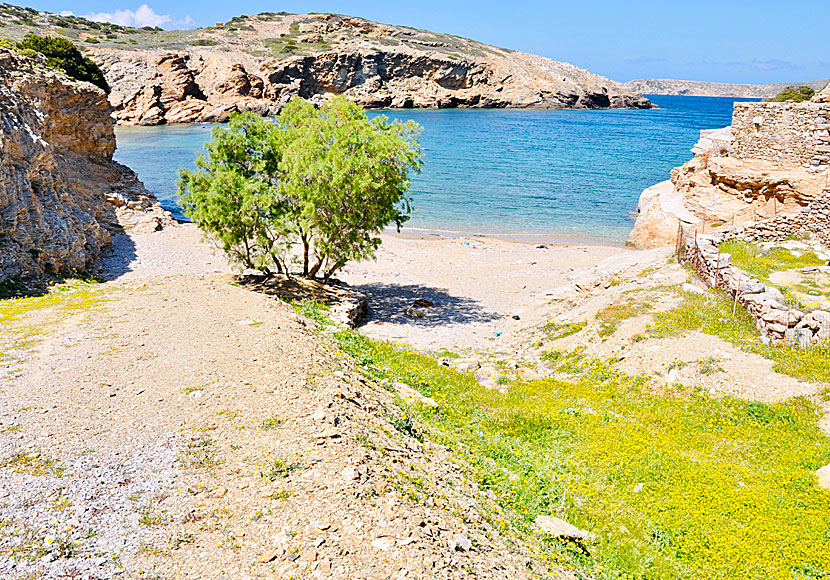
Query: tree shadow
point(396, 304)
point(116, 260)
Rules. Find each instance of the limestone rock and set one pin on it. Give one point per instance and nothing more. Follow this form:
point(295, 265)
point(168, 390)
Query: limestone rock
point(824, 477)
point(823, 96)
point(320, 55)
point(61, 194)
point(407, 393)
point(560, 528)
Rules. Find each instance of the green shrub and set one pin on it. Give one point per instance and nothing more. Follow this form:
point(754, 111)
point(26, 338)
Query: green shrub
point(797, 95)
point(328, 179)
point(63, 55)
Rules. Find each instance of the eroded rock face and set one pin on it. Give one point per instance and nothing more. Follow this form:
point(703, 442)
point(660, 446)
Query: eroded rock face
point(717, 190)
point(376, 65)
point(61, 195)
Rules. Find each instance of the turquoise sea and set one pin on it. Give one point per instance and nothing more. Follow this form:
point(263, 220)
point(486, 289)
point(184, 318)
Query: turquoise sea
point(550, 175)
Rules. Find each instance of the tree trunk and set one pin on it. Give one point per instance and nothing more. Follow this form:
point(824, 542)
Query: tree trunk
point(305, 253)
point(314, 269)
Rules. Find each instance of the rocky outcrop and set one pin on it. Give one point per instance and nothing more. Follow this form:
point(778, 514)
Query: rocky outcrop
point(707, 89)
point(260, 62)
point(61, 195)
point(822, 96)
point(719, 189)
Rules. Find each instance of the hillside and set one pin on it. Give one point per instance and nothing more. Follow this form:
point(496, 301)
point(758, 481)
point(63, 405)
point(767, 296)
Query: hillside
point(259, 62)
point(706, 89)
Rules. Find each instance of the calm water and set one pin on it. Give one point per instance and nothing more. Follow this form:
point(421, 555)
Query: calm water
point(549, 174)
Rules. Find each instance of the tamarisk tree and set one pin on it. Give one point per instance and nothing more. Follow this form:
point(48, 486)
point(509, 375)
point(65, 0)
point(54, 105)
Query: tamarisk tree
point(325, 180)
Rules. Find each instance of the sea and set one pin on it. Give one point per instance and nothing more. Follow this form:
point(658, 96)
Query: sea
point(558, 176)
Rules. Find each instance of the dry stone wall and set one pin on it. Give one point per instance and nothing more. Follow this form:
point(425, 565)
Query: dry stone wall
point(785, 133)
point(774, 318)
point(813, 219)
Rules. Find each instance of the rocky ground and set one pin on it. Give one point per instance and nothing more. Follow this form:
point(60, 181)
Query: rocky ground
point(171, 423)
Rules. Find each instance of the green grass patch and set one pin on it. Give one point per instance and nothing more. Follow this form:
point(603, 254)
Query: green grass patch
point(760, 264)
point(555, 330)
point(612, 316)
point(313, 309)
point(712, 314)
point(674, 485)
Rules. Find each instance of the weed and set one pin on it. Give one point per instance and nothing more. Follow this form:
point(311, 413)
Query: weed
point(277, 469)
point(33, 464)
point(710, 468)
point(555, 331)
point(612, 316)
point(272, 423)
point(404, 425)
point(709, 366)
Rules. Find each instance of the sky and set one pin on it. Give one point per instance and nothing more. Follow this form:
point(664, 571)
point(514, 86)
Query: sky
point(760, 41)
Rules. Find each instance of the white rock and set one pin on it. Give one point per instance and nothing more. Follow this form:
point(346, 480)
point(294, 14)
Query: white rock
point(560, 528)
point(407, 393)
point(824, 477)
point(693, 289)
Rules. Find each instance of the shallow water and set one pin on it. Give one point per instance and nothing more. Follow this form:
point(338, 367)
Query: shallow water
point(523, 174)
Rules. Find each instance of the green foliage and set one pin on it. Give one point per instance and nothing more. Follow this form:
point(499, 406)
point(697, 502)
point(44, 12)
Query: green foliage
point(63, 55)
point(797, 95)
point(674, 485)
point(612, 316)
point(760, 264)
point(329, 179)
point(555, 330)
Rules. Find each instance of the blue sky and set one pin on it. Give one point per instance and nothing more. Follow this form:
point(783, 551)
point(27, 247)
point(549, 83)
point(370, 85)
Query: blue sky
point(761, 41)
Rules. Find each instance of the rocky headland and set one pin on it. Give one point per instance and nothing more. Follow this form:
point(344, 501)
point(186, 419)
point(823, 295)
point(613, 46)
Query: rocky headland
point(257, 63)
point(708, 89)
point(61, 194)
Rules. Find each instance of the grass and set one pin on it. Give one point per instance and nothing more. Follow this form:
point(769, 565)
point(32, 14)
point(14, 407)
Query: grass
point(555, 331)
point(760, 264)
point(30, 464)
point(673, 484)
point(612, 316)
point(313, 309)
point(278, 469)
point(712, 314)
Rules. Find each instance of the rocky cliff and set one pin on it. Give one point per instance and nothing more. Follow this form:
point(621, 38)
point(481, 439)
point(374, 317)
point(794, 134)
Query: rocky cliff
point(257, 63)
point(61, 195)
point(706, 89)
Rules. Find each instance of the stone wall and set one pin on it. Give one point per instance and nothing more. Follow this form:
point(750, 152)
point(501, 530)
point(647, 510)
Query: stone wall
point(785, 133)
point(774, 318)
point(813, 219)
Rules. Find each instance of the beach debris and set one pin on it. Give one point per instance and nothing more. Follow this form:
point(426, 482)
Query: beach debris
point(541, 247)
point(424, 302)
point(516, 317)
point(414, 313)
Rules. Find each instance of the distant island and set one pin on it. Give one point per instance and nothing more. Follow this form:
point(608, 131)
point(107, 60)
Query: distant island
point(258, 62)
point(707, 89)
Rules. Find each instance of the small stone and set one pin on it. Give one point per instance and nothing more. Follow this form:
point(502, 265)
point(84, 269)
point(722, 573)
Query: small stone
point(309, 555)
point(824, 477)
point(220, 491)
point(693, 289)
point(270, 555)
point(294, 556)
point(460, 543)
point(638, 488)
point(384, 543)
point(327, 433)
point(350, 474)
